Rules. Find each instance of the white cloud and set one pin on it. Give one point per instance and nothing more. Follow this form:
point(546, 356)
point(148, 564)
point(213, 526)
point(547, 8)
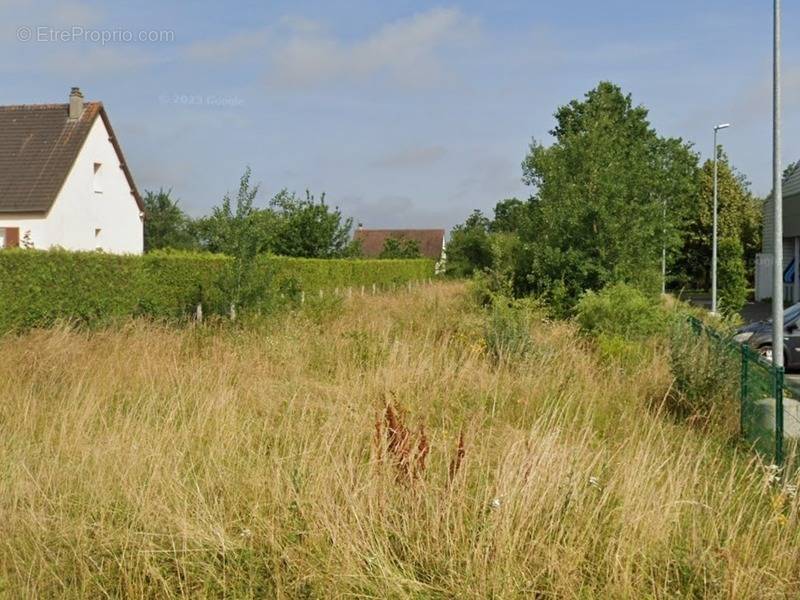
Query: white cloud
point(411, 158)
point(228, 48)
point(300, 24)
point(406, 50)
point(87, 61)
point(74, 14)
point(394, 211)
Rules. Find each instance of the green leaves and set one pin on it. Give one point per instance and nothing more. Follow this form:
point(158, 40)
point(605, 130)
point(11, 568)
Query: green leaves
point(309, 228)
point(470, 247)
point(598, 214)
point(166, 225)
point(739, 218)
point(39, 288)
point(400, 247)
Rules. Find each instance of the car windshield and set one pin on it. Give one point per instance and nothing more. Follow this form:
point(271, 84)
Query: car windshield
point(791, 314)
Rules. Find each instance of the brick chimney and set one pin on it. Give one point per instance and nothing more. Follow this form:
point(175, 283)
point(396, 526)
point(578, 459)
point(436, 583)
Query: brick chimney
point(75, 104)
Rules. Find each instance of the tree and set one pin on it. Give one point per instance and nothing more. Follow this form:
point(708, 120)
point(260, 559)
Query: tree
point(237, 228)
point(508, 216)
point(739, 217)
point(470, 247)
point(309, 228)
point(165, 224)
point(400, 247)
point(597, 215)
point(791, 169)
point(221, 231)
point(732, 276)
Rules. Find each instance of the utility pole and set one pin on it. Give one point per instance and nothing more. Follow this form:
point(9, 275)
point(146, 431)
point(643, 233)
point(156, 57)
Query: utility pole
point(777, 194)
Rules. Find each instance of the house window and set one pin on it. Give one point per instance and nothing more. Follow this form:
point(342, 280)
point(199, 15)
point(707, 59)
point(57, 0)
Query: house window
point(9, 237)
point(97, 180)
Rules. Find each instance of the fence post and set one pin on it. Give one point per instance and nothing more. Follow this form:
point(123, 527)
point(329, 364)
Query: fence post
point(779, 415)
point(743, 389)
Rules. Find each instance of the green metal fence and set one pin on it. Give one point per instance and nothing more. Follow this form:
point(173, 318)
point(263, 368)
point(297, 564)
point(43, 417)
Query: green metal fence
point(769, 408)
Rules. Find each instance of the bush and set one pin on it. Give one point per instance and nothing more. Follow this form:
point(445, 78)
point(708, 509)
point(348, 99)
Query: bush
point(706, 374)
point(622, 352)
point(507, 329)
point(40, 287)
point(620, 310)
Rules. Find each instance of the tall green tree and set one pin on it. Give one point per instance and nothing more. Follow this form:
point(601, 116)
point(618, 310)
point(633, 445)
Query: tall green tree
point(732, 276)
point(509, 215)
point(597, 214)
point(165, 224)
point(310, 228)
point(739, 218)
point(236, 228)
point(470, 247)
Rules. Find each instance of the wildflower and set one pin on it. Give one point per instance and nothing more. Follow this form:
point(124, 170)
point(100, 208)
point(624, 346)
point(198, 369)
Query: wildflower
point(496, 504)
point(246, 533)
point(791, 491)
point(773, 474)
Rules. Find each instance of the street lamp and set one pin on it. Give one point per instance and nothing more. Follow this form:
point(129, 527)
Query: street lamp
point(714, 234)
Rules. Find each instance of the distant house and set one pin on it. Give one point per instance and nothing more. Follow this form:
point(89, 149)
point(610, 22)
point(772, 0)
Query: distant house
point(64, 181)
point(431, 241)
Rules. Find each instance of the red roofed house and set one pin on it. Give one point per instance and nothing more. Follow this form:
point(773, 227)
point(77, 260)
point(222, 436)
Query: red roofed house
point(64, 181)
point(431, 241)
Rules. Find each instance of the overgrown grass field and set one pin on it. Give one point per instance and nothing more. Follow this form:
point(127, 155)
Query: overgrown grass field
point(396, 446)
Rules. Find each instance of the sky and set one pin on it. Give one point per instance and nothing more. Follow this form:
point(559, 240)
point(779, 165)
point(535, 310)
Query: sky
point(405, 113)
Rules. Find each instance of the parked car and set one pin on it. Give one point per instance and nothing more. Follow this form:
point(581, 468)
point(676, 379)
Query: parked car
point(759, 337)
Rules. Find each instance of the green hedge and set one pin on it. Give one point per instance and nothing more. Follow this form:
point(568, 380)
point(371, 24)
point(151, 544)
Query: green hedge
point(38, 288)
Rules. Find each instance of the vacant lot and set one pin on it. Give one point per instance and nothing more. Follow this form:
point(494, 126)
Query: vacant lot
point(151, 460)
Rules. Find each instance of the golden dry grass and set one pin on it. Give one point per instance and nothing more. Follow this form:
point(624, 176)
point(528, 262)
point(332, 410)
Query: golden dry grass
point(152, 461)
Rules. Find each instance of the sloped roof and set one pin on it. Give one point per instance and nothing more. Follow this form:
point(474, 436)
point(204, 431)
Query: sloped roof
point(372, 240)
point(38, 146)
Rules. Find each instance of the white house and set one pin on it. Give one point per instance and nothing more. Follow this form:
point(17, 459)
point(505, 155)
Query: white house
point(64, 181)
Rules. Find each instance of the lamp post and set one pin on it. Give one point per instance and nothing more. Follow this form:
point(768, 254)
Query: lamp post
point(777, 194)
point(714, 234)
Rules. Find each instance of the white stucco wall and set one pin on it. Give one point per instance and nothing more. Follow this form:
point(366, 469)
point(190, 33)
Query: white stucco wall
point(79, 210)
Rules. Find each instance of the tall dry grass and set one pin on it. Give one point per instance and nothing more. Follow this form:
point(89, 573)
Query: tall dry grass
point(376, 451)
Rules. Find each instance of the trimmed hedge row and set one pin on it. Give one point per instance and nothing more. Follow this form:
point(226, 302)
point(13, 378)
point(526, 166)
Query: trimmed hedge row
point(38, 288)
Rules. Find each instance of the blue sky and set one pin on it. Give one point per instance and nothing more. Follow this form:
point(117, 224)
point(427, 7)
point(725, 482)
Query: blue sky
point(407, 114)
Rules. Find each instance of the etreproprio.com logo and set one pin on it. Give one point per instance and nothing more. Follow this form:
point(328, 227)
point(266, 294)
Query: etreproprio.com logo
point(45, 34)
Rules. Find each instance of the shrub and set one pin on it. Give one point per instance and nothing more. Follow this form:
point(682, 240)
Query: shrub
point(620, 310)
point(706, 375)
point(39, 288)
point(507, 329)
point(622, 352)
